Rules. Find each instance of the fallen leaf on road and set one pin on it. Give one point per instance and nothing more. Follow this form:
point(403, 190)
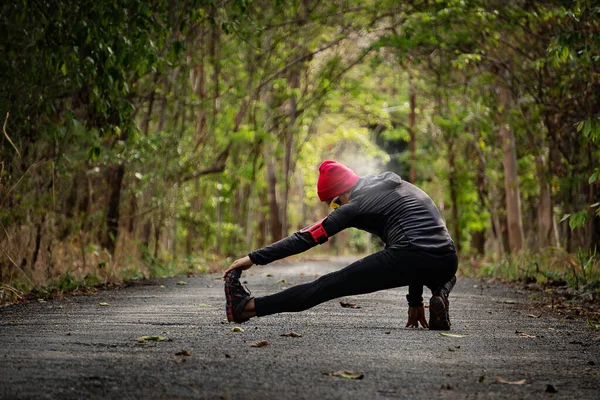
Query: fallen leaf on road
point(450, 335)
point(534, 316)
point(481, 379)
point(269, 275)
point(237, 329)
point(183, 353)
point(502, 380)
point(345, 374)
point(182, 283)
point(260, 343)
point(281, 281)
point(524, 335)
point(143, 339)
point(202, 305)
point(104, 304)
point(291, 334)
point(508, 302)
point(348, 305)
point(179, 361)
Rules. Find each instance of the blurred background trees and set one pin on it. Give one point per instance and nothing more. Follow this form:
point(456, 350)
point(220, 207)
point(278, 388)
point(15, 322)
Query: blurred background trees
point(145, 138)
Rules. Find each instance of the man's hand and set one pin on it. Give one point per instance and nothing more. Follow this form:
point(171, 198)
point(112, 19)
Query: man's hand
point(416, 315)
point(243, 263)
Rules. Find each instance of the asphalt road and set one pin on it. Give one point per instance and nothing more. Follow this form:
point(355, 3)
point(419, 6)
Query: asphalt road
point(76, 348)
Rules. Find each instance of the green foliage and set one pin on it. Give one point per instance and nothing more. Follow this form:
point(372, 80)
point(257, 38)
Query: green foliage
point(139, 136)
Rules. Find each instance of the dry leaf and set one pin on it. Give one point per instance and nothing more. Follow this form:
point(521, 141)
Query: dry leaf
point(450, 335)
point(237, 329)
point(345, 374)
point(144, 339)
point(183, 353)
point(291, 334)
point(502, 380)
point(534, 316)
point(179, 361)
point(181, 283)
point(260, 343)
point(104, 304)
point(524, 335)
point(348, 305)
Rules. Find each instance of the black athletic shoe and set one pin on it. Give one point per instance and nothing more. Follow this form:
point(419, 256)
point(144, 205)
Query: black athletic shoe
point(237, 297)
point(439, 317)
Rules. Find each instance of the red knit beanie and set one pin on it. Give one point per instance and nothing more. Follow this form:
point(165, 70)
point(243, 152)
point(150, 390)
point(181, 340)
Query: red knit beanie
point(334, 179)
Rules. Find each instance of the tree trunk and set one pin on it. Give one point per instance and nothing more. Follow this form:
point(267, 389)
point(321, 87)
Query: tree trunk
point(115, 175)
point(545, 215)
point(412, 96)
point(157, 229)
point(594, 220)
point(479, 238)
point(294, 82)
point(219, 218)
point(274, 220)
point(148, 115)
point(38, 241)
point(454, 199)
point(511, 178)
point(133, 207)
point(262, 220)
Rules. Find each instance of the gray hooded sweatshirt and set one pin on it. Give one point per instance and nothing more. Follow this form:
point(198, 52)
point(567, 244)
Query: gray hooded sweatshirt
point(399, 213)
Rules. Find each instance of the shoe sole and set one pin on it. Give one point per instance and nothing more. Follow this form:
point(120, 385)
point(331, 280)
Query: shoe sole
point(228, 295)
point(438, 320)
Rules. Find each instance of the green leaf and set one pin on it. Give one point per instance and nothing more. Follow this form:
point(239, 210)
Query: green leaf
point(182, 283)
point(565, 217)
point(587, 128)
point(578, 219)
point(237, 329)
point(104, 304)
point(594, 177)
point(94, 153)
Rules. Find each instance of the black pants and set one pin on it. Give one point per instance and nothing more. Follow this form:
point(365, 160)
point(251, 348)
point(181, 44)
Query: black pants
point(386, 269)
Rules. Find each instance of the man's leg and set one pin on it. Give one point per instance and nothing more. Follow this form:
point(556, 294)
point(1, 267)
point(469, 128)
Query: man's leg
point(439, 304)
point(375, 272)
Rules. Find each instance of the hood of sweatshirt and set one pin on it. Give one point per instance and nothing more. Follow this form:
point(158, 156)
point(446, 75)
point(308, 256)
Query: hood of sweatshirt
point(376, 183)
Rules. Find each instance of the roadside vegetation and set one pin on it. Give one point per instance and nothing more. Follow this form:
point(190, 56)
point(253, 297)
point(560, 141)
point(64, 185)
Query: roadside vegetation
point(144, 139)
